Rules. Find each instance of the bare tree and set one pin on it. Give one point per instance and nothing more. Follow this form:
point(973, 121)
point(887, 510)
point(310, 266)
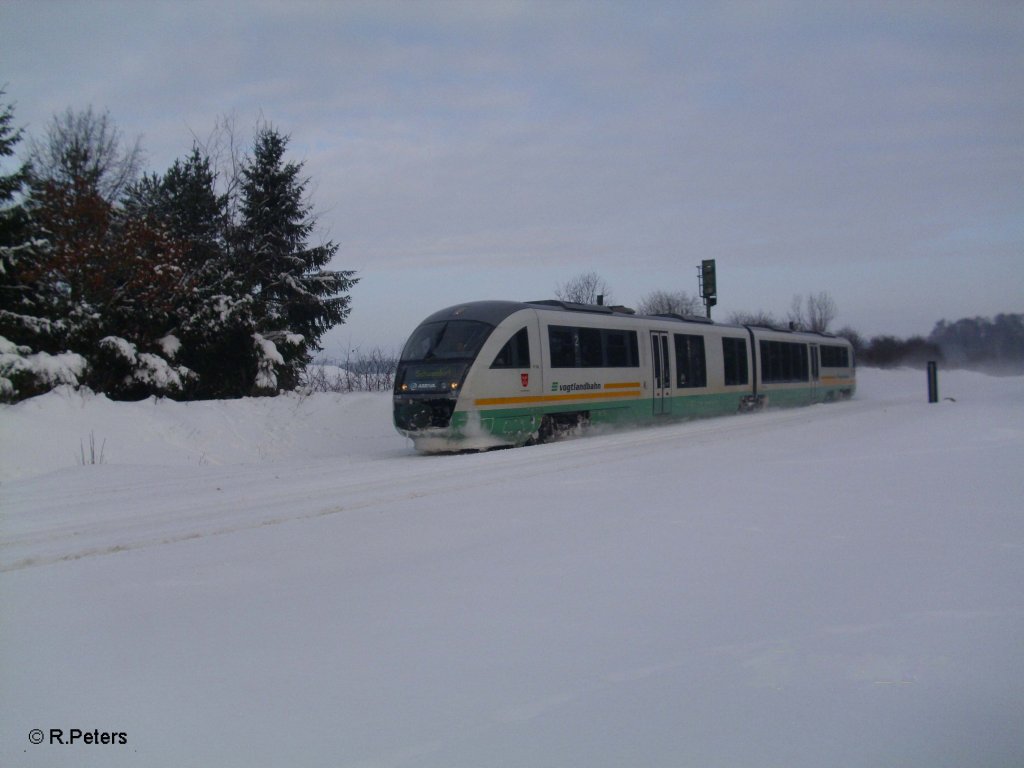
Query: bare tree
point(584, 289)
point(670, 302)
point(795, 318)
point(814, 313)
point(761, 317)
point(821, 311)
point(372, 371)
point(223, 145)
point(86, 149)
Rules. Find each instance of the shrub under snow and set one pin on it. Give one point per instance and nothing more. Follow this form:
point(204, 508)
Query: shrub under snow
point(24, 373)
point(145, 369)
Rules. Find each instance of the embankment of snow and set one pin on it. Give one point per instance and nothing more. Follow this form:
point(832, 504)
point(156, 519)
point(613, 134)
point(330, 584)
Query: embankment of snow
point(68, 427)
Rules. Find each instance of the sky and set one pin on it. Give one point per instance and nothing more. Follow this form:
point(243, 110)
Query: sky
point(460, 151)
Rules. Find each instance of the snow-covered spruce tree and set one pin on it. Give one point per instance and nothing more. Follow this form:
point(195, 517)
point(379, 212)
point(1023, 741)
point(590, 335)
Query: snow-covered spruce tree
point(297, 298)
point(106, 282)
point(113, 281)
point(12, 185)
point(214, 321)
point(31, 361)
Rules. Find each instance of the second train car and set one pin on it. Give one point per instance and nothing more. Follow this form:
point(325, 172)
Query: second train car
point(500, 373)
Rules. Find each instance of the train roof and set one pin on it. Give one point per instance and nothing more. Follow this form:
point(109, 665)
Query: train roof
point(493, 312)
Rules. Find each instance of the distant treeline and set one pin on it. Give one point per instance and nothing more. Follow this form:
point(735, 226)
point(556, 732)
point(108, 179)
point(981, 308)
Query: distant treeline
point(992, 344)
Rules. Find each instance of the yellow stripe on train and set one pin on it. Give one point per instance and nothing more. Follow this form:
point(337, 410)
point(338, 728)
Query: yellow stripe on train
point(535, 399)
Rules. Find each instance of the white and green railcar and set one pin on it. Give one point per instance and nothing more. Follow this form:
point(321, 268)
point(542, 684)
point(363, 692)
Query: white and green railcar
point(501, 373)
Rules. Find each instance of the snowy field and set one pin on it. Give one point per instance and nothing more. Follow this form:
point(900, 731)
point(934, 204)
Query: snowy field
point(283, 582)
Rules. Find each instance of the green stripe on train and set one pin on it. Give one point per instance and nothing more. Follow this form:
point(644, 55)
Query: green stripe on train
point(517, 424)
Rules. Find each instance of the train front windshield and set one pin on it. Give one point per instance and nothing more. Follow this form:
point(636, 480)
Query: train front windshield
point(451, 340)
point(437, 355)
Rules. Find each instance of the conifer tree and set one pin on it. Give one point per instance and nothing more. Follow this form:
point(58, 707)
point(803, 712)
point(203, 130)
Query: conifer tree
point(106, 282)
point(297, 298)
point(214, 319)
point(24, 333)
point(112, 282)
point(17, 249)
point(159, 284)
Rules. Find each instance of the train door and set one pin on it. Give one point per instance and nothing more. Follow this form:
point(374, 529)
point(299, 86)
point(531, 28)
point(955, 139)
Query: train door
point(815, 372)
point(661, 377)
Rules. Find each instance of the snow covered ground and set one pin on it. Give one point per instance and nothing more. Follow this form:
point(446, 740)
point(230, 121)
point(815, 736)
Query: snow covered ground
point(284, 582)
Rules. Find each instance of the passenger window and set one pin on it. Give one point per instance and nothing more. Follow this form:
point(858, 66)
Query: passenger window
point(515, 353)
point(734, 351)
point(620, 349)
point(783, 361)
point(563, 346)
point(592, 347)
point(834, 357)
point(691, 365)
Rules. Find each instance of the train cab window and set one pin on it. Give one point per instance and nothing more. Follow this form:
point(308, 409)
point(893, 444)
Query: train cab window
point(515, 353)
point(451, 340)
point(691, 365)
point(734, 353)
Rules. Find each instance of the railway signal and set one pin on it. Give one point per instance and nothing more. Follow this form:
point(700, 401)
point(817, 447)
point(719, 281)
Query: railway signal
point(708, 287)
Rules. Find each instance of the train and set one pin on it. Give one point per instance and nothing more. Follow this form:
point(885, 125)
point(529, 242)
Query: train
point(491, 374)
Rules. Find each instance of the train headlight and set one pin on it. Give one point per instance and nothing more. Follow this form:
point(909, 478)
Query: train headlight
point(405, 387)
point(454, 385)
